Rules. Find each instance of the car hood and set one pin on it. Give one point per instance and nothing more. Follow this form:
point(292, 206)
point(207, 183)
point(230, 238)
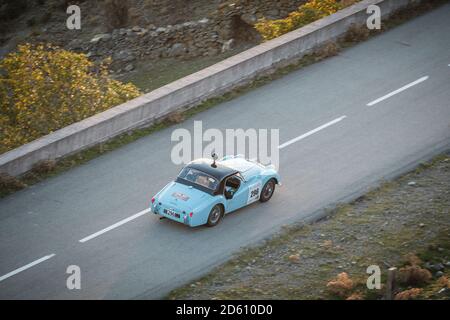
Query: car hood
point(181, 196)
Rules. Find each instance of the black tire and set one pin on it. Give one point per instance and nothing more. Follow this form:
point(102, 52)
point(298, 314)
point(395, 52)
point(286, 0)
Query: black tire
point(215, 215)
point(268, 190)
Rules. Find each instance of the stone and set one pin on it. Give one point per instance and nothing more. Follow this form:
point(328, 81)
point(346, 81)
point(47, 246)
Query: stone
point(412, 183)
point(124, 55)
point(228, 45)
point(129, 67)
point(101, 37)
point(439, 274)
point(177, 49)
point(161, 29)
point(76, 44)
point(203, 21)
point(274, 13)
point(438, 267)
point(249, 18)
point(294, 258)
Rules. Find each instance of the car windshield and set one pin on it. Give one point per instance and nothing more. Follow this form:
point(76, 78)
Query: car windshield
point(199, 177)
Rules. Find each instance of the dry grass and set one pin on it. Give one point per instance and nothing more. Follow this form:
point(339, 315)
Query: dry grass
point(409, 294)
point(44, 166)
point(444, 282)
point(174, 118)
point(356, 296)
point(413, 259)
point(329, 49)
point(414, 276)
point(341, 286)
point(10, 183)
point(356, 33)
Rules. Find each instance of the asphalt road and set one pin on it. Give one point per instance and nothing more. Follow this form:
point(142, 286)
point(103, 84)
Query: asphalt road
point(146, 257)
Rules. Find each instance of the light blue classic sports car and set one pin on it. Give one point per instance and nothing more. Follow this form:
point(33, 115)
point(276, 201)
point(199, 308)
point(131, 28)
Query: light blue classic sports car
point(205, 190)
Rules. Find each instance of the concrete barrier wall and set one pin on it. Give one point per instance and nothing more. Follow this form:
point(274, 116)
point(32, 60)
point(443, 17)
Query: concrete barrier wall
point(190, 90)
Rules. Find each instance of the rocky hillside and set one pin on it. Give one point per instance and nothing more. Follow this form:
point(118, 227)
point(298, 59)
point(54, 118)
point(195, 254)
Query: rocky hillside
point(130, 30)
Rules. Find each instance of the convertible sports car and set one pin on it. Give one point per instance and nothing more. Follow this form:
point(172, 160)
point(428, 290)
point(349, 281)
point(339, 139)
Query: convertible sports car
point(205, 190)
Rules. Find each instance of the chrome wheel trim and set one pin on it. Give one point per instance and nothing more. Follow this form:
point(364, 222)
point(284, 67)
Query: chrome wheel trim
point(215, 215)
point(268, 190)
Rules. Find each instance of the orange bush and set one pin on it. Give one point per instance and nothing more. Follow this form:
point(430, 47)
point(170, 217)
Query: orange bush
point(341, 285)
point(414, 275)
point(408, 294)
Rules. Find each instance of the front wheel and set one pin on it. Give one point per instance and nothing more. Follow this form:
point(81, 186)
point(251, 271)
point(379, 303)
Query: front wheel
point(267, 191)
point(215, 215)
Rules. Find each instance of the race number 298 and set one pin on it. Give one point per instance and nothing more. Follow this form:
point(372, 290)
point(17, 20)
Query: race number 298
point(253, 192)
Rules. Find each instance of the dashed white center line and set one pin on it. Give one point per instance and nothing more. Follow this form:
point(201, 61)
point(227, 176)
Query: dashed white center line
point(307, 134)
point(409, 85)
point(12, 273)
point(115, 225)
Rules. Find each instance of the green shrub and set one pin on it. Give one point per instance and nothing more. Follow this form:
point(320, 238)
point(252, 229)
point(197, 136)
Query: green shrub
point(44, 88)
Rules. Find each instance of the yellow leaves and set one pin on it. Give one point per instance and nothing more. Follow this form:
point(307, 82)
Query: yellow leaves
point(306, 13)
point(44, 88)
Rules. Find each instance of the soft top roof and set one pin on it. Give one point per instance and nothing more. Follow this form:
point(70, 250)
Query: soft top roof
point(220, 172)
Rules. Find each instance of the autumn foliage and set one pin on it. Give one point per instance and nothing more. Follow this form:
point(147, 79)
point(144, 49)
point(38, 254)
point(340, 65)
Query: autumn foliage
point(44, 88)
point(341, 286)
point(306, 13)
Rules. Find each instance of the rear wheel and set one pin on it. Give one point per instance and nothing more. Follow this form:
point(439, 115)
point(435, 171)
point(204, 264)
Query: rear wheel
point(215, 215)
point(267, 191)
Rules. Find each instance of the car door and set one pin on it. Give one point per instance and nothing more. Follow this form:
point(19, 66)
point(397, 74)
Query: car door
point(240, 196)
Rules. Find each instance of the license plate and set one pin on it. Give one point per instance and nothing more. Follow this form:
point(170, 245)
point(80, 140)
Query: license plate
point(171, 213)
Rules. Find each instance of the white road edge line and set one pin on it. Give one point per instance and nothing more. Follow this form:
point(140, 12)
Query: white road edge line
point(397, 91)
point(115, 225)
point(307, 134)
point(12, 273)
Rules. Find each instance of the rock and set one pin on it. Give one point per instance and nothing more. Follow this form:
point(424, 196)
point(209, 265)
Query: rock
point(161, 29)
point(124, 55)
point(274, 13)
point(248, 18)
point(129, 67)
point(76, 44)
point(422, 225)
point(439, 274)
point(228, 45)
point(443, 291)
point(438, 267)
point(447, 264)
point(428, 266)
point(177, 49)
point(136, 29)
point(101, 37)
point(203, 21)
point(412, 183)
point(294, 258)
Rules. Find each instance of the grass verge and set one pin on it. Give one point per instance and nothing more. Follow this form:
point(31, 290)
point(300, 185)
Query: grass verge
point(404, 223)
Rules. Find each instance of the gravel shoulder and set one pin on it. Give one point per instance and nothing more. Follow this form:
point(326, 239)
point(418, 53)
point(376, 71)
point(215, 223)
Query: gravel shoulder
point(403, 223)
